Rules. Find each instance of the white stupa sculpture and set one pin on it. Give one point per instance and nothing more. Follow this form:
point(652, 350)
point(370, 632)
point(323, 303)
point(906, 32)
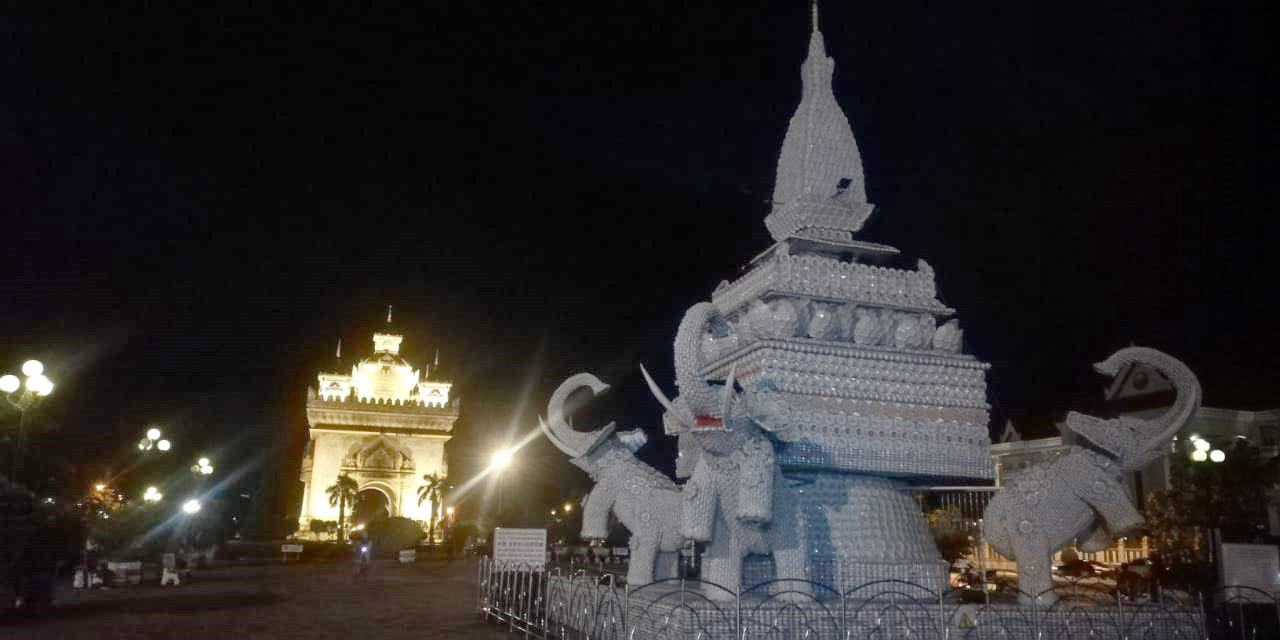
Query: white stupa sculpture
point(846, 387)
point(856, 363)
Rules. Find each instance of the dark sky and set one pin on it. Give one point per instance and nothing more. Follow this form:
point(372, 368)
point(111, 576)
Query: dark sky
point(197, 206)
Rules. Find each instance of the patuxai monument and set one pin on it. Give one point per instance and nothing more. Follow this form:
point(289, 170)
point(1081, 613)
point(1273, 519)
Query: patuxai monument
point(384, 424)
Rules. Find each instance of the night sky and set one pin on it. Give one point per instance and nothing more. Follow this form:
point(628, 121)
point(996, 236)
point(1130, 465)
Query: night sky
point(198, 206)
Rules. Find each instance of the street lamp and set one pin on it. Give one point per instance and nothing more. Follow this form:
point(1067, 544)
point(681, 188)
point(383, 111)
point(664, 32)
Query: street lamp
point(501, 458)
point(152, 495)
point(202, 467)
point(36, 387)
point(154, 441)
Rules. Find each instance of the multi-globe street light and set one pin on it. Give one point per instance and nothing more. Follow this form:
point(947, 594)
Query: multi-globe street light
point(1202, 450)
point(152, 495)
point(154, 442)
point(35, 388)
point(202, 467)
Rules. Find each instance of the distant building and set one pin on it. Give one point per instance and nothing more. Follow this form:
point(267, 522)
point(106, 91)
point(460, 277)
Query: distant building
point(385, 425)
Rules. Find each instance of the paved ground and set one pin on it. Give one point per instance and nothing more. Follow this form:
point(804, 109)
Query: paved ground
point(312, 601)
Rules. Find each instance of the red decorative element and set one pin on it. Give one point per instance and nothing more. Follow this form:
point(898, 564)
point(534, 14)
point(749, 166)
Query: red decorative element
point(707, 422)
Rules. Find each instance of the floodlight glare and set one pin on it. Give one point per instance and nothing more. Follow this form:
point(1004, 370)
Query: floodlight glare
point(501, 458)
point(191, 506)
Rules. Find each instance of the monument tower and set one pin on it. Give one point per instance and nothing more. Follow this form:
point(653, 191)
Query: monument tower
point(384, 424)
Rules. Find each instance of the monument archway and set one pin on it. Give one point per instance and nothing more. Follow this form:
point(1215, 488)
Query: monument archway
point(374, 503)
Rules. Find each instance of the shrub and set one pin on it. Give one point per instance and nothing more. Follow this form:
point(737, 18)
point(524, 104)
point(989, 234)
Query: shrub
point(390, 535)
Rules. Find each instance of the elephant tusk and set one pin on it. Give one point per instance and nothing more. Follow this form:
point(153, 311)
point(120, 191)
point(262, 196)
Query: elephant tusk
point(662, 399)
point(727, 394)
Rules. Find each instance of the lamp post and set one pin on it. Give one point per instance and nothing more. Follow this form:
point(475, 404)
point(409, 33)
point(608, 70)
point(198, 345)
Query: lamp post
point(34, 389)
point(501, 458)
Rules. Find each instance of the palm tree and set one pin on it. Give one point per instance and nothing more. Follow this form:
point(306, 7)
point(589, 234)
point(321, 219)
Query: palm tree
point(431, 491)
point(342, 493)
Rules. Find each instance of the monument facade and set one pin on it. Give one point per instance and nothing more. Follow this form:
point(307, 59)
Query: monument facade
point(384, 424)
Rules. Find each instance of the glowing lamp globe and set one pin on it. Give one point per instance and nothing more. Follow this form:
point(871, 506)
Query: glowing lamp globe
point(204, 462)
point(1201, 445)
point(1217, 455)
point(32, 368)
point(164, 445)
point(206, 469)
point(501, 458)
point(10, 383)
point(39, 385)
point(1199, 455)
point(153, 434)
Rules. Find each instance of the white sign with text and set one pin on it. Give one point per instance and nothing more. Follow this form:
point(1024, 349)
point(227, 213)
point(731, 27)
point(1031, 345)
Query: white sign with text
point(520, 548)
point(1250, 565)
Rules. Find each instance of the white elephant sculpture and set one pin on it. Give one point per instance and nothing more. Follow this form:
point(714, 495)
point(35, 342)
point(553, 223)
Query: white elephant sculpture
point(734, 498)
point(643, 499)
point(1082, 494)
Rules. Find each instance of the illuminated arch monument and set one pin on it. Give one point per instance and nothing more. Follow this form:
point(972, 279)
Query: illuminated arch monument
point(384, 424)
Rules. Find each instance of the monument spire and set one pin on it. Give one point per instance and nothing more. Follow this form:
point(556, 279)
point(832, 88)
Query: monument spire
point(388, 314)
point(820, 191)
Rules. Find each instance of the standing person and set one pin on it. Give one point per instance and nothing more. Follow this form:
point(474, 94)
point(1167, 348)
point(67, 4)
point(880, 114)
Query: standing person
point(363, 556)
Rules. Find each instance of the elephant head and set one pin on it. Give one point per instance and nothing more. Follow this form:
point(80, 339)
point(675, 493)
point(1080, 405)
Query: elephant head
point(1135, 442)
point(697, 406)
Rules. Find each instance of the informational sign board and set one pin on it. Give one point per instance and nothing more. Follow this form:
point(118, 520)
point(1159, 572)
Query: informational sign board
point(520, 548)
point(291, 548)
point(1250, 565)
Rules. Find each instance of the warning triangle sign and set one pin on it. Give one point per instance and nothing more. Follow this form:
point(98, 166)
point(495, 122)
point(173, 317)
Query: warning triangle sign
point(1138, 380)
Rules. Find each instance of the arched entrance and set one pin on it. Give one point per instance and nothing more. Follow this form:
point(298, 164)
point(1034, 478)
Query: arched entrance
point(371, 504)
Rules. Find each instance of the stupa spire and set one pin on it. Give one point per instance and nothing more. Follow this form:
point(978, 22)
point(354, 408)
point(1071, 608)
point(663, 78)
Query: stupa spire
point(820, 191)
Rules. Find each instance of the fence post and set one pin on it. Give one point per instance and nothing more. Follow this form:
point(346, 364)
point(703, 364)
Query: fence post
point(1124, 631)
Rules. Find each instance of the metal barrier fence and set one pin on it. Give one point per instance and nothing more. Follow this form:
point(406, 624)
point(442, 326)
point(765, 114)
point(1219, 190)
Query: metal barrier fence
point(578, 606)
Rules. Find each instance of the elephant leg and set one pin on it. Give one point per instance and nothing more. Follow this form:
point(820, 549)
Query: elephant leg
point(1035, 569)
point(1097, 540)
point(1111, 500)
point(722, 564)
point(786, 542)
point(667, 566)
point(644, 549)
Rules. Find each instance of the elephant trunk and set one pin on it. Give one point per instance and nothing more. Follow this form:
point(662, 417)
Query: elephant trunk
point(557, 429)
point(1159, 430)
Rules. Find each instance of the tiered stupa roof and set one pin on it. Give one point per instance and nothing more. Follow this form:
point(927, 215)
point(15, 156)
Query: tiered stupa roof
point(866, 355)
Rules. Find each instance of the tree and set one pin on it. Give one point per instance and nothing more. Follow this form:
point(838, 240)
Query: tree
point(952, 531)
point(1202, 497)
point(342, 493)
point(322, 527)
point(431, 491)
